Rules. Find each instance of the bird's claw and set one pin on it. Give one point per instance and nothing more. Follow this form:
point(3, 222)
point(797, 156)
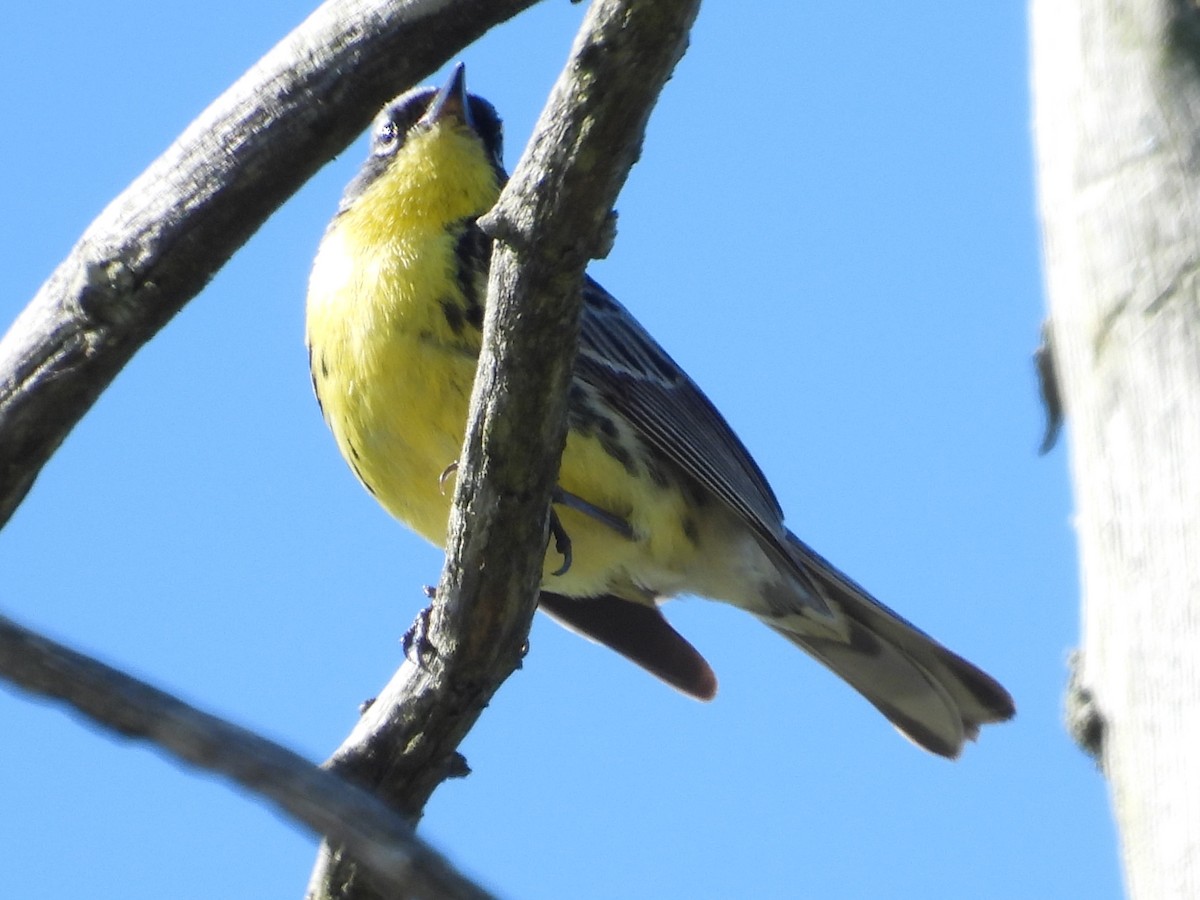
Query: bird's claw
point(562, 543)
point(445, 476)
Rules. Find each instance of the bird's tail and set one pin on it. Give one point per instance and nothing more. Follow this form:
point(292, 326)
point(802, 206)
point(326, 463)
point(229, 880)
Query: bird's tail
point(933, 696)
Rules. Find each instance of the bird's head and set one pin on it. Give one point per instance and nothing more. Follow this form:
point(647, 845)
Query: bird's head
point(435, 159)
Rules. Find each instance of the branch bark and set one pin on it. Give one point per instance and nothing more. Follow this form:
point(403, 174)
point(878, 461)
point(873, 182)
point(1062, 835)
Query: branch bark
point(398, 862)
point(1117, 113)
point(553, 216)
point(157, 244)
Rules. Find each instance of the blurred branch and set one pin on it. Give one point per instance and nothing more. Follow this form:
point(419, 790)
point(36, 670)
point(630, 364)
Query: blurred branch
point(1116, 90)
point(397, 860)
point(157, 244)
point(554, 215)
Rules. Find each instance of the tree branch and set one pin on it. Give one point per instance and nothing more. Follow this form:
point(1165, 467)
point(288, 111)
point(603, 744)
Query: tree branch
point(553, 216)
point(398, 861)
point(157, 244)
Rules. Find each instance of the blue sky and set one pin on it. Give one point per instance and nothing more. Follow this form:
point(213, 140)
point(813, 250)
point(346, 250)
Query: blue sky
point(832, 228)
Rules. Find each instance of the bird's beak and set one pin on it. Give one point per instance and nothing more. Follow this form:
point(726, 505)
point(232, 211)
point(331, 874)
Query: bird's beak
point(451, 101)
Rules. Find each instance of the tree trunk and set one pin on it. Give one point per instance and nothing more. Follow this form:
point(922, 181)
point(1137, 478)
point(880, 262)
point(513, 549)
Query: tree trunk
point(1117, 114)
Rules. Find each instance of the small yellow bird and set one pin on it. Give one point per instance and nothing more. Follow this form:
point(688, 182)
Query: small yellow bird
point(657, 496)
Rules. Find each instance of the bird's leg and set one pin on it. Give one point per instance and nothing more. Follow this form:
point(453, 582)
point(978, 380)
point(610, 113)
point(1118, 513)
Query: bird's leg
point(562, 540)
point(571, 501)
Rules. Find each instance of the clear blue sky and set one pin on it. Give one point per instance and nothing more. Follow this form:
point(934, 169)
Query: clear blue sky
point(832, 227)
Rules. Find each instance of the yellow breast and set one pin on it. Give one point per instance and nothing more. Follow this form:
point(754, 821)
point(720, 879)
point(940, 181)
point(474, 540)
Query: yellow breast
point(391, 357)
point(393, 379)
point(393, 360)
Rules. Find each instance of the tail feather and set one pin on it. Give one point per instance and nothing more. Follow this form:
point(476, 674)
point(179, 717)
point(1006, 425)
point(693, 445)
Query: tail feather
point(930, 694)
point(640, 634)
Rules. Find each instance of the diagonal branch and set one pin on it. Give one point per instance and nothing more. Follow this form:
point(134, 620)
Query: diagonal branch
point(159, 242)
point(554, 215)
point(396, 858)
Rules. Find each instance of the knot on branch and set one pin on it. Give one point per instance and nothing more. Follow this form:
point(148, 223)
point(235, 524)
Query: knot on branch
point(510, 228)
point(499, 225)
point(108, 284)
point(1083, 719)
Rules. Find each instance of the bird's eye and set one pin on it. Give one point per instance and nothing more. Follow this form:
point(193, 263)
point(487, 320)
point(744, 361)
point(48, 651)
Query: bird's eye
point(387, 138)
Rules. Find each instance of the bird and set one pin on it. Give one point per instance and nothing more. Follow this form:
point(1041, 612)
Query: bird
point(656, 496)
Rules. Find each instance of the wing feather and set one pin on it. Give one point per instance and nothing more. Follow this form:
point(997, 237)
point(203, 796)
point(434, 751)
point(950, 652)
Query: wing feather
point(628, 369)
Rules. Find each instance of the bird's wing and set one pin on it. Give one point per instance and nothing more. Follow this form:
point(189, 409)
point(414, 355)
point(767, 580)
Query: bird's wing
point(629, 370)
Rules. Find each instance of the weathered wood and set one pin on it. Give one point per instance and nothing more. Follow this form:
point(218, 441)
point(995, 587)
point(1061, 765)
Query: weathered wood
point(1117, 111)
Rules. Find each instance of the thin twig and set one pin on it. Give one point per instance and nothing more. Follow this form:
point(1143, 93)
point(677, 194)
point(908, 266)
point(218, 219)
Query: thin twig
point(398, 861)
